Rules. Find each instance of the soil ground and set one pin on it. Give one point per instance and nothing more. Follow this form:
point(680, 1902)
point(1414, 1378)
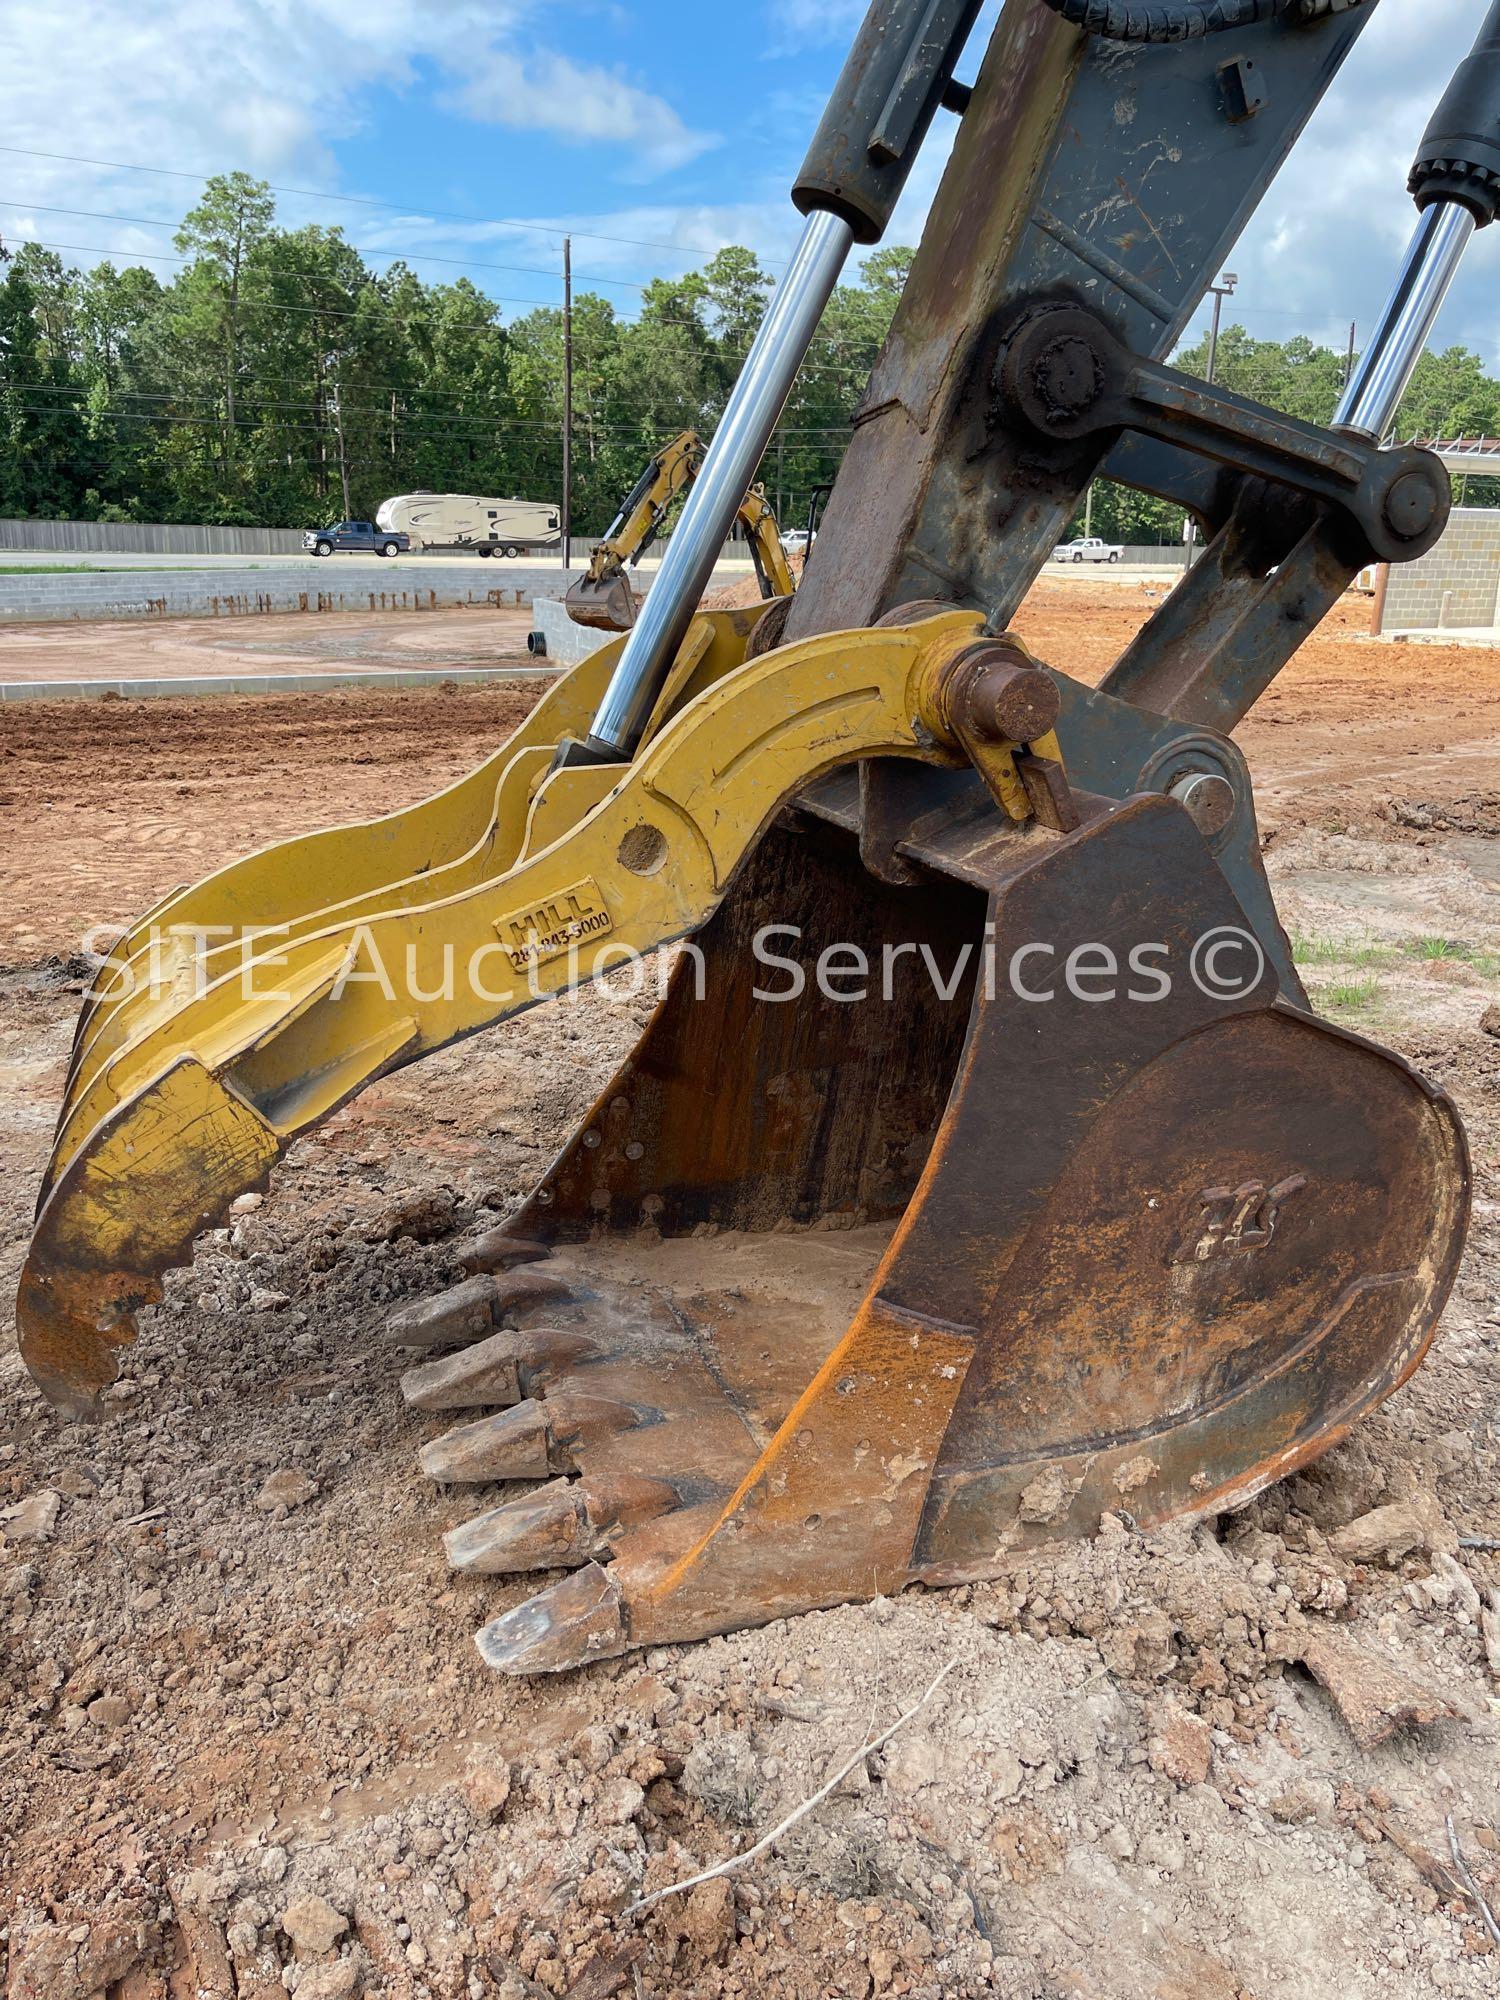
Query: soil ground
point(247, 1746)
point(292, 642)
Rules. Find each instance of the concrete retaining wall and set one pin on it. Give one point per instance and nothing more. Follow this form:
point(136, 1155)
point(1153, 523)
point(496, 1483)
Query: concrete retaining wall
point(566, 642)
point(308, 586)
point(1453, 585)
point(192, 687)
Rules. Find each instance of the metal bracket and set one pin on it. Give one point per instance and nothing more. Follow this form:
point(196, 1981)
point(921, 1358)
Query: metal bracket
point(1065, 376)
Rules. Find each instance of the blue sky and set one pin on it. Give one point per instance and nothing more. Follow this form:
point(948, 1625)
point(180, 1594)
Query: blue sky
point(654, 133)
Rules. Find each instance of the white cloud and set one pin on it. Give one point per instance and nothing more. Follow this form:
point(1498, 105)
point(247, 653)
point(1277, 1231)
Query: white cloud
point(803, 24)
point(582, 104)
point(273, 85)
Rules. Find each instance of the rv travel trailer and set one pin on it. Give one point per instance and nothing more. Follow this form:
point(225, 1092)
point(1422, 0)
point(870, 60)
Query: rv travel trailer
point(471, 522)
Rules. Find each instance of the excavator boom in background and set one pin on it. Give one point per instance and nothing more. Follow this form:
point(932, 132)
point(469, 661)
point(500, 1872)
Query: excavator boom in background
point(603, 597)
point(1058, 1202)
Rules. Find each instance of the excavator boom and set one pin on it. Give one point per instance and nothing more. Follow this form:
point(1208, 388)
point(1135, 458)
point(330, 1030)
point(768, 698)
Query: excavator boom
point(1057, 1202)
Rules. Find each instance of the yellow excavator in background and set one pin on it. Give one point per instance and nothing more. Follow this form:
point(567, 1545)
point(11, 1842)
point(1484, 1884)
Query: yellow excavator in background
point(1050, 1201)
point(603, 597)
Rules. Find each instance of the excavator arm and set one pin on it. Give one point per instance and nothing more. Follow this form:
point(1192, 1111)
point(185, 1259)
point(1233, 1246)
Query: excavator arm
point(603, 598)
point(1000, 1252)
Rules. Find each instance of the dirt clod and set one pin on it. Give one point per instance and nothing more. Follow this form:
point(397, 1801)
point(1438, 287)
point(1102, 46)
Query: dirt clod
point(285, 1490)
point(313, 1925)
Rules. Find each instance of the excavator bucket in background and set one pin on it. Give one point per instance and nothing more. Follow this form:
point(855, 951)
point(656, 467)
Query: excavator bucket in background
point(608, 604)
point(603, 597)
point(983, 1171)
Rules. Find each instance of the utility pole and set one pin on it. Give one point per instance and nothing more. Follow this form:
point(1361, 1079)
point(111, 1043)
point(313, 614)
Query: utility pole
point(780, 475)
point(1349, 358)
point(1221, 291)
point(338, 419)
point(567, 436)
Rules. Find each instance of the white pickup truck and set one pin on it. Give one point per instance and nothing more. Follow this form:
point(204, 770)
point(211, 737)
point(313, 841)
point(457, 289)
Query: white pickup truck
point(1088, 548)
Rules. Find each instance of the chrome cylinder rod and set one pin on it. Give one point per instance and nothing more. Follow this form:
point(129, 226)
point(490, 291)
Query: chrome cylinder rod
point(1373, 395)
point(729, 465)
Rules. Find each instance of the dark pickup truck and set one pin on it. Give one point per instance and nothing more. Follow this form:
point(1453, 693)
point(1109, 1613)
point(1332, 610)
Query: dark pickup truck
point(358, 538)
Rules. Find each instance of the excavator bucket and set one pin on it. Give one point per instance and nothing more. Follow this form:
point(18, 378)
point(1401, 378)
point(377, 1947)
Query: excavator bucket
point(830, 1293)
point(608, 605)
point(984, 1172)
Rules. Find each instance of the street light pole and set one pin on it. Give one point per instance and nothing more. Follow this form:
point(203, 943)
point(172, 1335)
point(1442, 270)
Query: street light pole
point(1221, 291)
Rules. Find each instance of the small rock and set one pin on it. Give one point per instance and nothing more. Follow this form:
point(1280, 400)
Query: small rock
point(1373, 1695)
point(313, 1925)
point(1142, 1648)
point(486, 1786)
point(1179, 1744)
point(285, 1489)
point(245, 1204)
point(1489, 1022)
point(110, 1711)
point(619, 1801)
point(1462, 1592)
point(33, 1519)
point(75, 1963)
point(265, 1299)
point(424, 1218)
point(339, 1981)
point(1394, 1530)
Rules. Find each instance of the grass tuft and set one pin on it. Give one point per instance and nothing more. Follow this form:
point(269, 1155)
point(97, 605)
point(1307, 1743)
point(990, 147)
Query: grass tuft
point(1350, 995)
point(1338, 951)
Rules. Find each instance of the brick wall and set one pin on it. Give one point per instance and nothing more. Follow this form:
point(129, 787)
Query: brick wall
point(1464, 568)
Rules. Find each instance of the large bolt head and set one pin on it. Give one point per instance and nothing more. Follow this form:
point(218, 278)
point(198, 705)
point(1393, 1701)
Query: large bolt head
point(1066, 377)
point(1208, 799)
point(1006, 698)
point(1411, 505)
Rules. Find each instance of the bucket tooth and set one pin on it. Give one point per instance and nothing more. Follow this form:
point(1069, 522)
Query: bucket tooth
point(499, 1250)
point(463, 1313)
point(578, 1619)
point(509, 1367)
point(530, 1441)
point(520, 1294)
point(515, 1444)
point(547, 1529)
point(470, 1310)
point(623, 1499)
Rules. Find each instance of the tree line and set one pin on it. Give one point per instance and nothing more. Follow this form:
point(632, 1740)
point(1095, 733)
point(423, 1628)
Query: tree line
point(276, 379)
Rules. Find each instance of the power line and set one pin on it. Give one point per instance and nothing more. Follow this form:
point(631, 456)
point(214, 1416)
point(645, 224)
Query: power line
point(367, 201)
point(721, 350)
point(360, 249)
point(406, 422)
